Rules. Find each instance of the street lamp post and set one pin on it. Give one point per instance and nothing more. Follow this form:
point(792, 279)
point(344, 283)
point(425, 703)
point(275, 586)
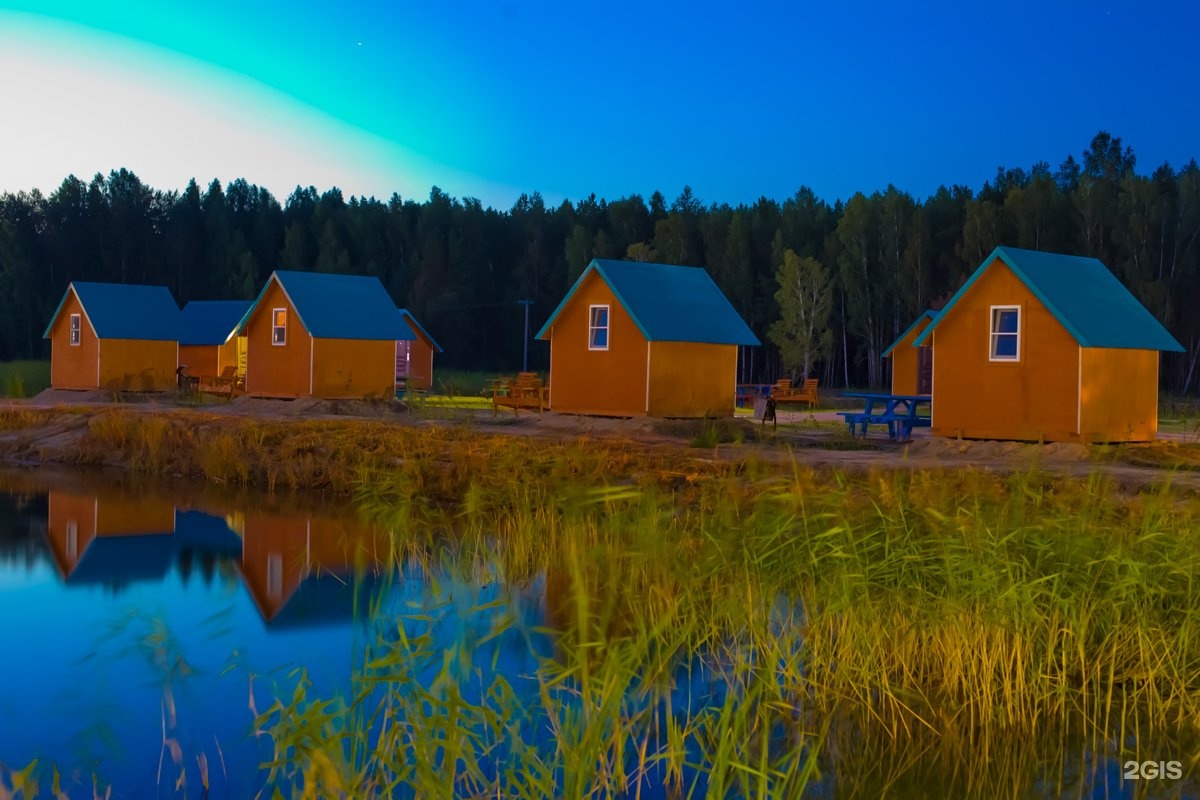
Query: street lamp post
point(525, 356)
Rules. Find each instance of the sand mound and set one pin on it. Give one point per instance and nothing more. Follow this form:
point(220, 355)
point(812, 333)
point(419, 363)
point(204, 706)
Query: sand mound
point(314, 407)
point(53, 397)
point(1002, 452)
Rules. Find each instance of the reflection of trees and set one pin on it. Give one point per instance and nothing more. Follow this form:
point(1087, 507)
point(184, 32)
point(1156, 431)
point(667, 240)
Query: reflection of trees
point(22, 524)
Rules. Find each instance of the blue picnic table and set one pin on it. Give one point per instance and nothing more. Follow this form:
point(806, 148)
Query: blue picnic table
point(900, 412)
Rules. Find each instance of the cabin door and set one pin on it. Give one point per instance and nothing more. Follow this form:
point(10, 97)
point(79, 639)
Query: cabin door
point(924, 370)
point(241, 356)
point(403, 357)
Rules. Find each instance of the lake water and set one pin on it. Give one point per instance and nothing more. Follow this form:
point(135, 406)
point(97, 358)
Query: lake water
point(144, 627)
point(135, 620)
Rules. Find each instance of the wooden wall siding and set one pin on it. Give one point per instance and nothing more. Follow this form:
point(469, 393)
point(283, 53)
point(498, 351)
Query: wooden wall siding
point(63, 510)
point(212, 359)
point(267, 536)
point(276, 371)
point(137, 365)
point(73, 367)
point(304, 545)
point(420, 365)
point(689, 379)
point(1033, 399)
point(130, 515)
point(201, 359)
point(603, 382)
point(904, 361)
point(1119, 395)
point(98, 515)
point(354, 368)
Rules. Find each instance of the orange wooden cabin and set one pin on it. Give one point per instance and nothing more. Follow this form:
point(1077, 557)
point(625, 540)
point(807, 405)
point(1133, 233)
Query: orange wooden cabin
point(208, 339)
point(1045, 347)
point(912, 367)
point(636, 339)
point(115, 337)
point(311, 334)
point(414, 354)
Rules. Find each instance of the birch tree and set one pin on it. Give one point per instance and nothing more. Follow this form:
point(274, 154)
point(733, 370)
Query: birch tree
point(805, 298)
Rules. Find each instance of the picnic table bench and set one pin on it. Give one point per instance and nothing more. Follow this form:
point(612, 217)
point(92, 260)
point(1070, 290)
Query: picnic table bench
point(524, 391)
point(900, 412)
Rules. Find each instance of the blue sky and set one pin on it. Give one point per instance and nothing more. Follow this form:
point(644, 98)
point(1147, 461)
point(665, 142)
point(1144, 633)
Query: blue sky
point(494, 99)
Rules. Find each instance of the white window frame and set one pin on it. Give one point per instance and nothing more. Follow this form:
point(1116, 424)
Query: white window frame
point(274, 575)
point(72, 539)
point(75, 330)
point(275, 327)
point(607, 327)
point(993, 334)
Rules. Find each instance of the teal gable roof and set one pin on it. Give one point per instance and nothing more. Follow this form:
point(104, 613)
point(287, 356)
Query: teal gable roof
point(930, 314)
point(1082, 294)
point(337, 306)
point(668, 303)
point(125, 311)
point(205, 322)
point(412, 326)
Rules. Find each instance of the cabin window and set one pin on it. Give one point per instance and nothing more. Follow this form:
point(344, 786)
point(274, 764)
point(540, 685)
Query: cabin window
point(1006, 333)
point(75, 329)
point(279, 326)
point(72, 539)
point(274, 575)
point(598, 328)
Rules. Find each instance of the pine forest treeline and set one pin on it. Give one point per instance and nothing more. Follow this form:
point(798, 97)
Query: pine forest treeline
point(845, 278)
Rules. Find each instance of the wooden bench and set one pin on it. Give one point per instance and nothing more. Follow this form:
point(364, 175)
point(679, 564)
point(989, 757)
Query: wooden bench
point(783, 392)
point(524, 391)
point(227, 383)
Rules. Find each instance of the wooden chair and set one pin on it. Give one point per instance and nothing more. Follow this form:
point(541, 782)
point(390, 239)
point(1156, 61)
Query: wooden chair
point(524, 391)
point(784, 392)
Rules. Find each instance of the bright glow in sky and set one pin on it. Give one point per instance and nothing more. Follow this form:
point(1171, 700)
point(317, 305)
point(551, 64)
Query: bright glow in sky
point(498, 98)
point(101, 102)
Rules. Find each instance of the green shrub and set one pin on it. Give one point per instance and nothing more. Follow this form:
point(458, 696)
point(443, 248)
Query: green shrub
point(16, 385)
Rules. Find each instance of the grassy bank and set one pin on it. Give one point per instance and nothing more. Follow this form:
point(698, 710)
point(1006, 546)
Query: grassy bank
point(23, 378)
point(723, 627)
point(832, 620)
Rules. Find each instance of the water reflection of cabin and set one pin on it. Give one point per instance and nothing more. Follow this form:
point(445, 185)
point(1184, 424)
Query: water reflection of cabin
point(115, 539)
point(302, 570)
